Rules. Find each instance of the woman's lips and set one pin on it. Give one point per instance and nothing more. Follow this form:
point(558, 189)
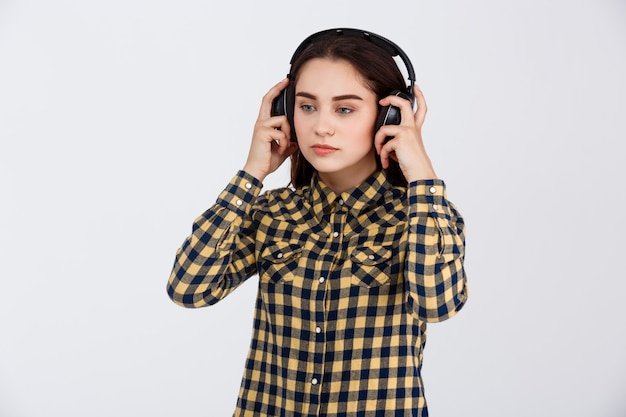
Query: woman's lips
point(323, 150)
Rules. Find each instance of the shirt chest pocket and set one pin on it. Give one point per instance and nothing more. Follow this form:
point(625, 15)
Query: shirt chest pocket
point(371, 265)
point(279, 261)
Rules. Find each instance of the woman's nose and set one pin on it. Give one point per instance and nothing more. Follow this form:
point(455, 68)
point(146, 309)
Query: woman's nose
point(324, 125)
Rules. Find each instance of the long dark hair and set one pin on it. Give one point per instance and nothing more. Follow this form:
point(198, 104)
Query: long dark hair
point(380, 73)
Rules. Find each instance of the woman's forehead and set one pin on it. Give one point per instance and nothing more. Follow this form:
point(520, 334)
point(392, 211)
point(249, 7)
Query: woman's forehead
point(324, 74)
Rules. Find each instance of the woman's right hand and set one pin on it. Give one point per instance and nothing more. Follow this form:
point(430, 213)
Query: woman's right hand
point(271, 139)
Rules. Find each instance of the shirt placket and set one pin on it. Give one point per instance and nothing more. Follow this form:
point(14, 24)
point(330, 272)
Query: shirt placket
point(329, 272)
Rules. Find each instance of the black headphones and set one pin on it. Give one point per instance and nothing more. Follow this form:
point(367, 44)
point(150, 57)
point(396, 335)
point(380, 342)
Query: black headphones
point(389, 115)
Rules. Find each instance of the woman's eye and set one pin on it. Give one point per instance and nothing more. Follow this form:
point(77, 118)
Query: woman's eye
point(307, 107)
point(344, 110)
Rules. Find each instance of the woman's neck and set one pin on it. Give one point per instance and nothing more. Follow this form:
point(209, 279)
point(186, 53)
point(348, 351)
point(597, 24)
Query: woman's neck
point(345, 180)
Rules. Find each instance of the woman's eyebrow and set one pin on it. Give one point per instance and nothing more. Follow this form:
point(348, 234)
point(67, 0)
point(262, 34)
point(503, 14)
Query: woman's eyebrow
point(347, 97)
point(336, 98)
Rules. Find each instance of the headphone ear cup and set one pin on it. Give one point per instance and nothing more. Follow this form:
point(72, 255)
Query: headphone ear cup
point(391, 115)
point(282, 105)
point(290, 100)
point(278, 105)
point(388, 115)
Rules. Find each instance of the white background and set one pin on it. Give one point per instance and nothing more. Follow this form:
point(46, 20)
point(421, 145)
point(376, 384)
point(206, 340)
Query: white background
point(120, 122)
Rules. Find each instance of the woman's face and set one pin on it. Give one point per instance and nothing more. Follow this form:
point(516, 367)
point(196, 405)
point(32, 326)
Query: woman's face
point(334, 117)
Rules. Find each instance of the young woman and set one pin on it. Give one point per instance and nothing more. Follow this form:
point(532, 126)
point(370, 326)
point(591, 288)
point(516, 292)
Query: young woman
point(353, 260)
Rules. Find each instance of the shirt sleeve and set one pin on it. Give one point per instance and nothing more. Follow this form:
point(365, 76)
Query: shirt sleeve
point(435, 278)
point(219, 254)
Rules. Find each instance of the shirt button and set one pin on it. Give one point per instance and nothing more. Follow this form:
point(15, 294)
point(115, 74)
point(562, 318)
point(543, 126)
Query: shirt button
point(280, 255)
point(314, 381)
point(239, 202)
point(322, 279)
point(248, 185)
point(318, 329)
point(371, 257)
point(335, 234)
point(435, 207)
point(432, 190)
point(341, 202)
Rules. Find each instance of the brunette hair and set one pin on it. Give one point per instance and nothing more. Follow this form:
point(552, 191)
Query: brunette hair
point(380, 73)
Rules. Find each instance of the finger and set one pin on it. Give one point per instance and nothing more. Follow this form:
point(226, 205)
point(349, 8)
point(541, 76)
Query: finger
point(406, 110)
point(284, 148)
point(380, 138)
point(266, 103)
point(278, 137)
point(285, 127)
point(422, 108)
point(385, 153)
point(386, 134)
point(280, 132)
point(384, 144)
point(276, 122)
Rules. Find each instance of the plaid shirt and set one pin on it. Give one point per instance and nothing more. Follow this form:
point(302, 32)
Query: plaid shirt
point(347, 284)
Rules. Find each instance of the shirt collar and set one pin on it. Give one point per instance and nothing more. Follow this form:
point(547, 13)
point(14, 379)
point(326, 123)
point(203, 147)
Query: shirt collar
point(356, 200)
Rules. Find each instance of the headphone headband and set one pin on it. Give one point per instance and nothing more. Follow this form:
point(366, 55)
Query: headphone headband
point(386, 44)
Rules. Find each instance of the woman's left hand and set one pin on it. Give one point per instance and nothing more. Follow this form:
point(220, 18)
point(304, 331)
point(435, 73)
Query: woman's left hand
point(406, 145)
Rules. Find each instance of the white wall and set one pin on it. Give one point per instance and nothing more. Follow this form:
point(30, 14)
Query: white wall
point(120, 121)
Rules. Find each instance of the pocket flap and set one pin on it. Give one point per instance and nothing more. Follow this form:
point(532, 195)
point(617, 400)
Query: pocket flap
point(281, 252)
point(371, 255)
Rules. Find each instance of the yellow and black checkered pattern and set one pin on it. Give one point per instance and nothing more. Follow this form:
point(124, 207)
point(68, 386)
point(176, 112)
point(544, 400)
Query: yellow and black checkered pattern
point(347, 283)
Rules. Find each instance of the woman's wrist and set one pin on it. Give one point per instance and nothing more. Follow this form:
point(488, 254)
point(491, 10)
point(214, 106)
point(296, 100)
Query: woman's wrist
point(260, 176)
point(421, 170)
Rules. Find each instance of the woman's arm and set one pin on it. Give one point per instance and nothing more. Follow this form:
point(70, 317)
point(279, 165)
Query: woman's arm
point(434, 274)
point(219, 254)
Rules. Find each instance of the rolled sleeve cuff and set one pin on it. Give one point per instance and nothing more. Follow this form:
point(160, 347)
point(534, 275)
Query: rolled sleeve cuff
point(427, 197)
point(242, 189)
